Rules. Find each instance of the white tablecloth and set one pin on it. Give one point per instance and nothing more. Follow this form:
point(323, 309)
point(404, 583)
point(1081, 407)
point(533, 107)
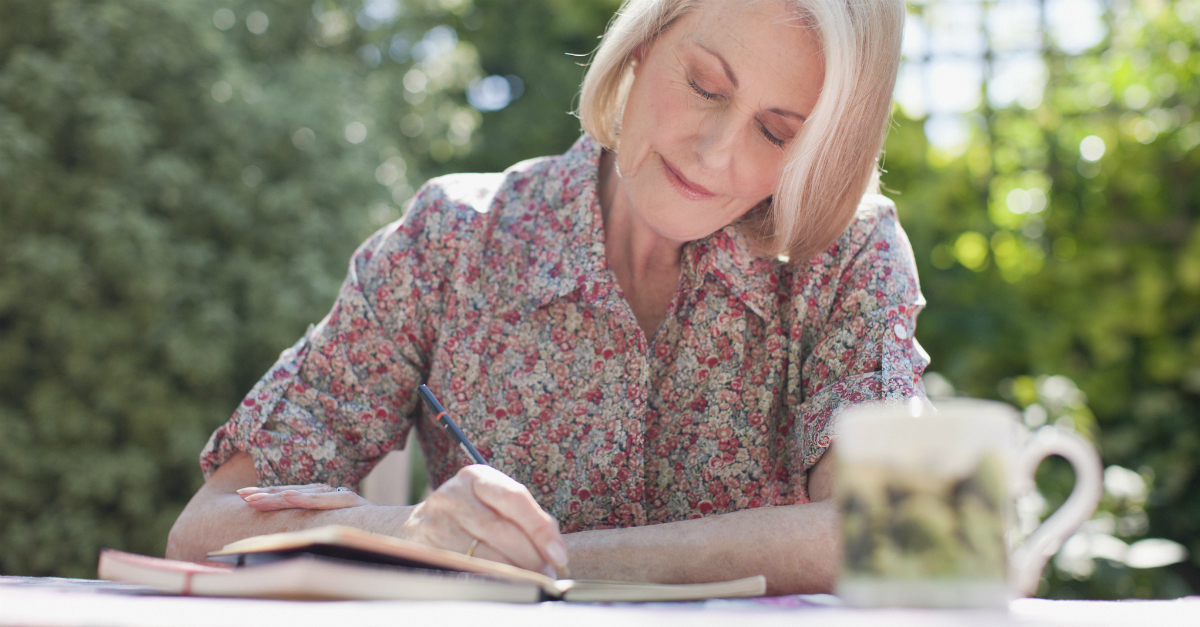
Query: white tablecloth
point(73, 602)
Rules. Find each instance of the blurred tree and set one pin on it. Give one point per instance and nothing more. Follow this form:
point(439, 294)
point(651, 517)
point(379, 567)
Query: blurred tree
point(181, 185)
point(545, 44)
point(1063, 240)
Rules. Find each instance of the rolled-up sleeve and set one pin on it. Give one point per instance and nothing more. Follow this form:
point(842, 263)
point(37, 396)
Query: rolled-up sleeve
point(343, 395)
point(862, 345)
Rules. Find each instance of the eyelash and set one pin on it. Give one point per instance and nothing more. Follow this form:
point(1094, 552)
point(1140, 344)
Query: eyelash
point(711, 96)
point(700, 92)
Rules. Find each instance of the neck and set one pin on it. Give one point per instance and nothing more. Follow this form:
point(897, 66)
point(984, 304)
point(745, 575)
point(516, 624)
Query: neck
point(629, 241)
point(645, 263)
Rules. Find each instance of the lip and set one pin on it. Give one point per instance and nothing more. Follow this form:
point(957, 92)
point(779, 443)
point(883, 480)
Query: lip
point(688, 189)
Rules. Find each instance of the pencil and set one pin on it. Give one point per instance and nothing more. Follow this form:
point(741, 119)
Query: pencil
point(448, 423)
point(450, 426)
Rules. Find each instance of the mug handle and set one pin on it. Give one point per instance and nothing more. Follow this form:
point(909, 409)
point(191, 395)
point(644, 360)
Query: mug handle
point(1030, 558)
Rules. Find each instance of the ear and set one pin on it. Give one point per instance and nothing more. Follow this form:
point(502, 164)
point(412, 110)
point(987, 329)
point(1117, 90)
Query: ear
point(639, 52)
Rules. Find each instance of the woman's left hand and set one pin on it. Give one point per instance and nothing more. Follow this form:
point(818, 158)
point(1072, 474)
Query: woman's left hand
point(310, 496)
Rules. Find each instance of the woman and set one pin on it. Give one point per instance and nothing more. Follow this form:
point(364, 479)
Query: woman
point(647, 336)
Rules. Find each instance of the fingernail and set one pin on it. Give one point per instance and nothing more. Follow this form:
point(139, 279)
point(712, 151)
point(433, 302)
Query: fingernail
point(245, 490)
point(258, 496)
point(558, 554)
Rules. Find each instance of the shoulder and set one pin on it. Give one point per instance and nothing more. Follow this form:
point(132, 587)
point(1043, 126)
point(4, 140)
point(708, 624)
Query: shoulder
point(881, 262)
point(424, 245)
point(884, 242)
point(447, 204)
point(874, 231)
point(874, 238)
point(445, 212)
point(870, 265)
point(533, 204)
point(459, 204)
point(493, 215)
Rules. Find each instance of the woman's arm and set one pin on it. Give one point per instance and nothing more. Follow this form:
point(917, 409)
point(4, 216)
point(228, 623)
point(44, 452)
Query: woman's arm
point(479, 503)
point(797, 547)
point(218, 515)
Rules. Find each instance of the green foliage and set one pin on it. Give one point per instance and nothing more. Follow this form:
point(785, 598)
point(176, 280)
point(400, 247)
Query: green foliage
point(1101, 285)
point(546, 43)
point(177, 203)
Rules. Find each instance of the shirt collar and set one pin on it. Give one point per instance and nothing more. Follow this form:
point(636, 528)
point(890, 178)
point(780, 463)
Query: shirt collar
point(726, 256)
point(575, 258)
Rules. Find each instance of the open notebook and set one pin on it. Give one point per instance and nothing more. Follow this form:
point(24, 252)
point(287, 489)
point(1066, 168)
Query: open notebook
point(345, 563)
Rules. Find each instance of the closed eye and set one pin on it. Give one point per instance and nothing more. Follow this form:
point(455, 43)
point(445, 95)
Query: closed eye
point(700, 92)
point(771, 138)
point(707, 95)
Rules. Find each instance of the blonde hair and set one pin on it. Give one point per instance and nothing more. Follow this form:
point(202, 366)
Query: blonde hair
point(833, 161)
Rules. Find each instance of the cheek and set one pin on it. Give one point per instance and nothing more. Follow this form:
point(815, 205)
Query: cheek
point(758, 174)
point(677, 119)
point(657, 115)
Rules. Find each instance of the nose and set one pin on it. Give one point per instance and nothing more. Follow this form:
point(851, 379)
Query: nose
point(716, 140)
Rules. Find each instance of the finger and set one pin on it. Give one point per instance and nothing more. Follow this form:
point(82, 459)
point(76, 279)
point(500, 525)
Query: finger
point(295, 499)
point(453, 516)
point(504, 538)
point(324, 500)
point(513, 501)
point(488, 553)
point(267, 502)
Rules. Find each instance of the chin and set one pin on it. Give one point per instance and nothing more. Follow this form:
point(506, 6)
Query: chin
point(667, 211)
point(687, 220)
point(678, 223)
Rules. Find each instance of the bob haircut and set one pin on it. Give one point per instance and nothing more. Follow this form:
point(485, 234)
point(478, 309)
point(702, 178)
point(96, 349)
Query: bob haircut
point(834, 160)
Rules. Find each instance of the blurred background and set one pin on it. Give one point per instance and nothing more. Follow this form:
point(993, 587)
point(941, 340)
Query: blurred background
point(182, 183)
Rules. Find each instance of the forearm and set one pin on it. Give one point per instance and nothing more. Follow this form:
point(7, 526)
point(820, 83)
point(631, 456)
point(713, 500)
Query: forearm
point(217, 515)
point(215, 518)
point(797, 548)
point(479, 509)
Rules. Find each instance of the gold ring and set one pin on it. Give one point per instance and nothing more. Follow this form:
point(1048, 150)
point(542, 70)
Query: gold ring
point(474, 544)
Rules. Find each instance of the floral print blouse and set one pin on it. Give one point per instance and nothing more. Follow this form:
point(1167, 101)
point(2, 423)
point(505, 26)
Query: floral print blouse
point(494, 290)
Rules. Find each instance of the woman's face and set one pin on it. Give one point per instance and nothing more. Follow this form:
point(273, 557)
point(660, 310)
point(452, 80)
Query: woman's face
point(715, 101)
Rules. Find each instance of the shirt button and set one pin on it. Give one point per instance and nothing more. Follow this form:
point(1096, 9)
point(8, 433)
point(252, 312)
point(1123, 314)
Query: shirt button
point(901, 331)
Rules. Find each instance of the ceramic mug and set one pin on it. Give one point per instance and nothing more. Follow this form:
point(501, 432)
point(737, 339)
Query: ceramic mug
point(927, 502)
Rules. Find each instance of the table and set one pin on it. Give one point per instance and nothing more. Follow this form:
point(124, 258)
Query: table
point(81, 602)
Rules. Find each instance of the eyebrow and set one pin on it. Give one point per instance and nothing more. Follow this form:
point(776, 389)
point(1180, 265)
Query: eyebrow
point(789, 114)
point(733, 79)
point(725, 64)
